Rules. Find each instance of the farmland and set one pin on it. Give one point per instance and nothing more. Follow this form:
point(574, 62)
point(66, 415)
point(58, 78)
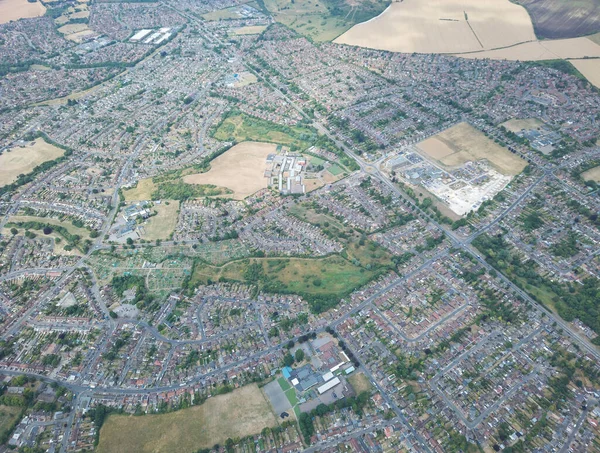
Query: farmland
point(237, 414)
point(18, 9)
point(462, 143)
point(240, 169)
point(555, 19)
point(590, 68)
point(23, 159)
point(452, 27)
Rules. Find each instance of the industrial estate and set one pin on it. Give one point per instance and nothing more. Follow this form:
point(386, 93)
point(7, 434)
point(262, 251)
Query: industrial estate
point(232, 226)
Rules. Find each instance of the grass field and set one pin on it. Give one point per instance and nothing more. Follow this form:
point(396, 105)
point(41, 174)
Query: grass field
point(21, 160)
point(237, 414)
point(592, 175)
point(450, 26)
point(242, 128)
point(359, 382)
point(516, 125)
point(163, 224)
point(66, 224)
point(335, 170)
point(141, 192)
point(232, 12)
point(590, 68)
point(19, 9)
point(250, 30)
point(463, 143)
point(8, 415)
point(240, 169)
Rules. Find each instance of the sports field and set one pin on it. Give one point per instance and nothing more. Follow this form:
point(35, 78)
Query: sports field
point(241, 169)
point(237, 414)
point(590, 68)
point(516, 125)
point(592, 174)
point(443, 26)
point(163, 223)
point(141, 192)
point(463, 143)
point(22, 159)
point(19, 9)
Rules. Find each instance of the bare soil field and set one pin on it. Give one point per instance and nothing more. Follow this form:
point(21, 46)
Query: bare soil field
point(237, 414)
point(563, 18)
point(542, 50)
point(240, 169)
point(468, 144)
point(162, 224)
point(592, 174)
point(443, 26)
point(250, 30)
point(516, 125)
point(21, 160)
point(590, 68)
point(19, 9)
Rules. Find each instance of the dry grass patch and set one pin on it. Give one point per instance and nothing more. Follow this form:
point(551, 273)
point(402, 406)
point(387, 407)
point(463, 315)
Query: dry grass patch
point(19, 9)
point(590, 70)
point(592, 174)
point(238, 414)
point(463, 143)
point(542, 50)
point(250, 30)
point(142, 192)
point(516, 125)
point(359, 382)
point(163, 223)
point(240, 169)
point(443, 26)
point(23, 159)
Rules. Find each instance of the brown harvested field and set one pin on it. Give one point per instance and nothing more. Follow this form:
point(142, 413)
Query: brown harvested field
point(250, 30)
point(237, 414)
point(542, 50)
point(590, 69)
point(23, 159)
point(516, 125)
point(463, 143)
point(241, 169)
point(443, 26)
point(19, 9)
point(141, 192)
point(163, 223)
point(592, 175)
point(595, 38)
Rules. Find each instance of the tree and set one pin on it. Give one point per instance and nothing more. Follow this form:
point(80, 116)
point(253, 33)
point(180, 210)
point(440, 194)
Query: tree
point(288, 360)
point(299, 355)
point(129, 241)
point(47, 230)
point(13, 231)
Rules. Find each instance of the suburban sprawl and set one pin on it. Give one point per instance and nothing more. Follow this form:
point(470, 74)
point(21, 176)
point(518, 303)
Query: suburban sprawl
point(299, 226)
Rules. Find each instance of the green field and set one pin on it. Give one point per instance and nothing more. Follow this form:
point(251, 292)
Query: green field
point(8, 417)
point(241, 128)
point(240, 413)
point(335, 170)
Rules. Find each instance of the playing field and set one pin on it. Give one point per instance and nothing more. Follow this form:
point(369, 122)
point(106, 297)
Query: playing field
point(241, 169)
point(22, 159)
point(250, 30)
point(141, 192)
point(359, 382)
point(590, 69)
point(162, 224)
point(463, 143)
point(592, 174)
point(237, 414)
point(443, 26)
point(19, 9)
point(516, 125)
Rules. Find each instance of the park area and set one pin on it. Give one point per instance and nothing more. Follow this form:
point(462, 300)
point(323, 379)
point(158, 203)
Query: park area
point(463, 143)
point(21, 160)
point(241, 169)
point(241, 413)
point(250, 30)
point(592, 174)
point(517, 125)
point(19, 9)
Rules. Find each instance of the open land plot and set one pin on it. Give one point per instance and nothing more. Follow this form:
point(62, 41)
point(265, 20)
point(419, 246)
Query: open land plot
point(19, 9)
point(240, 413)
point(163, 223)
point(517, 125)
point(244, 79)
point(359, 382)
point(141, 192)
point(463, 143)
point(72, 28)
point(8, 415)
point(555, 19)
point(240, 169)
point(23, 159)
point(592, 174)
point(232, 12)
point(242, 128)
point(443, 26)
point(250, 30)
point(590, 69)
point(542, 50)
